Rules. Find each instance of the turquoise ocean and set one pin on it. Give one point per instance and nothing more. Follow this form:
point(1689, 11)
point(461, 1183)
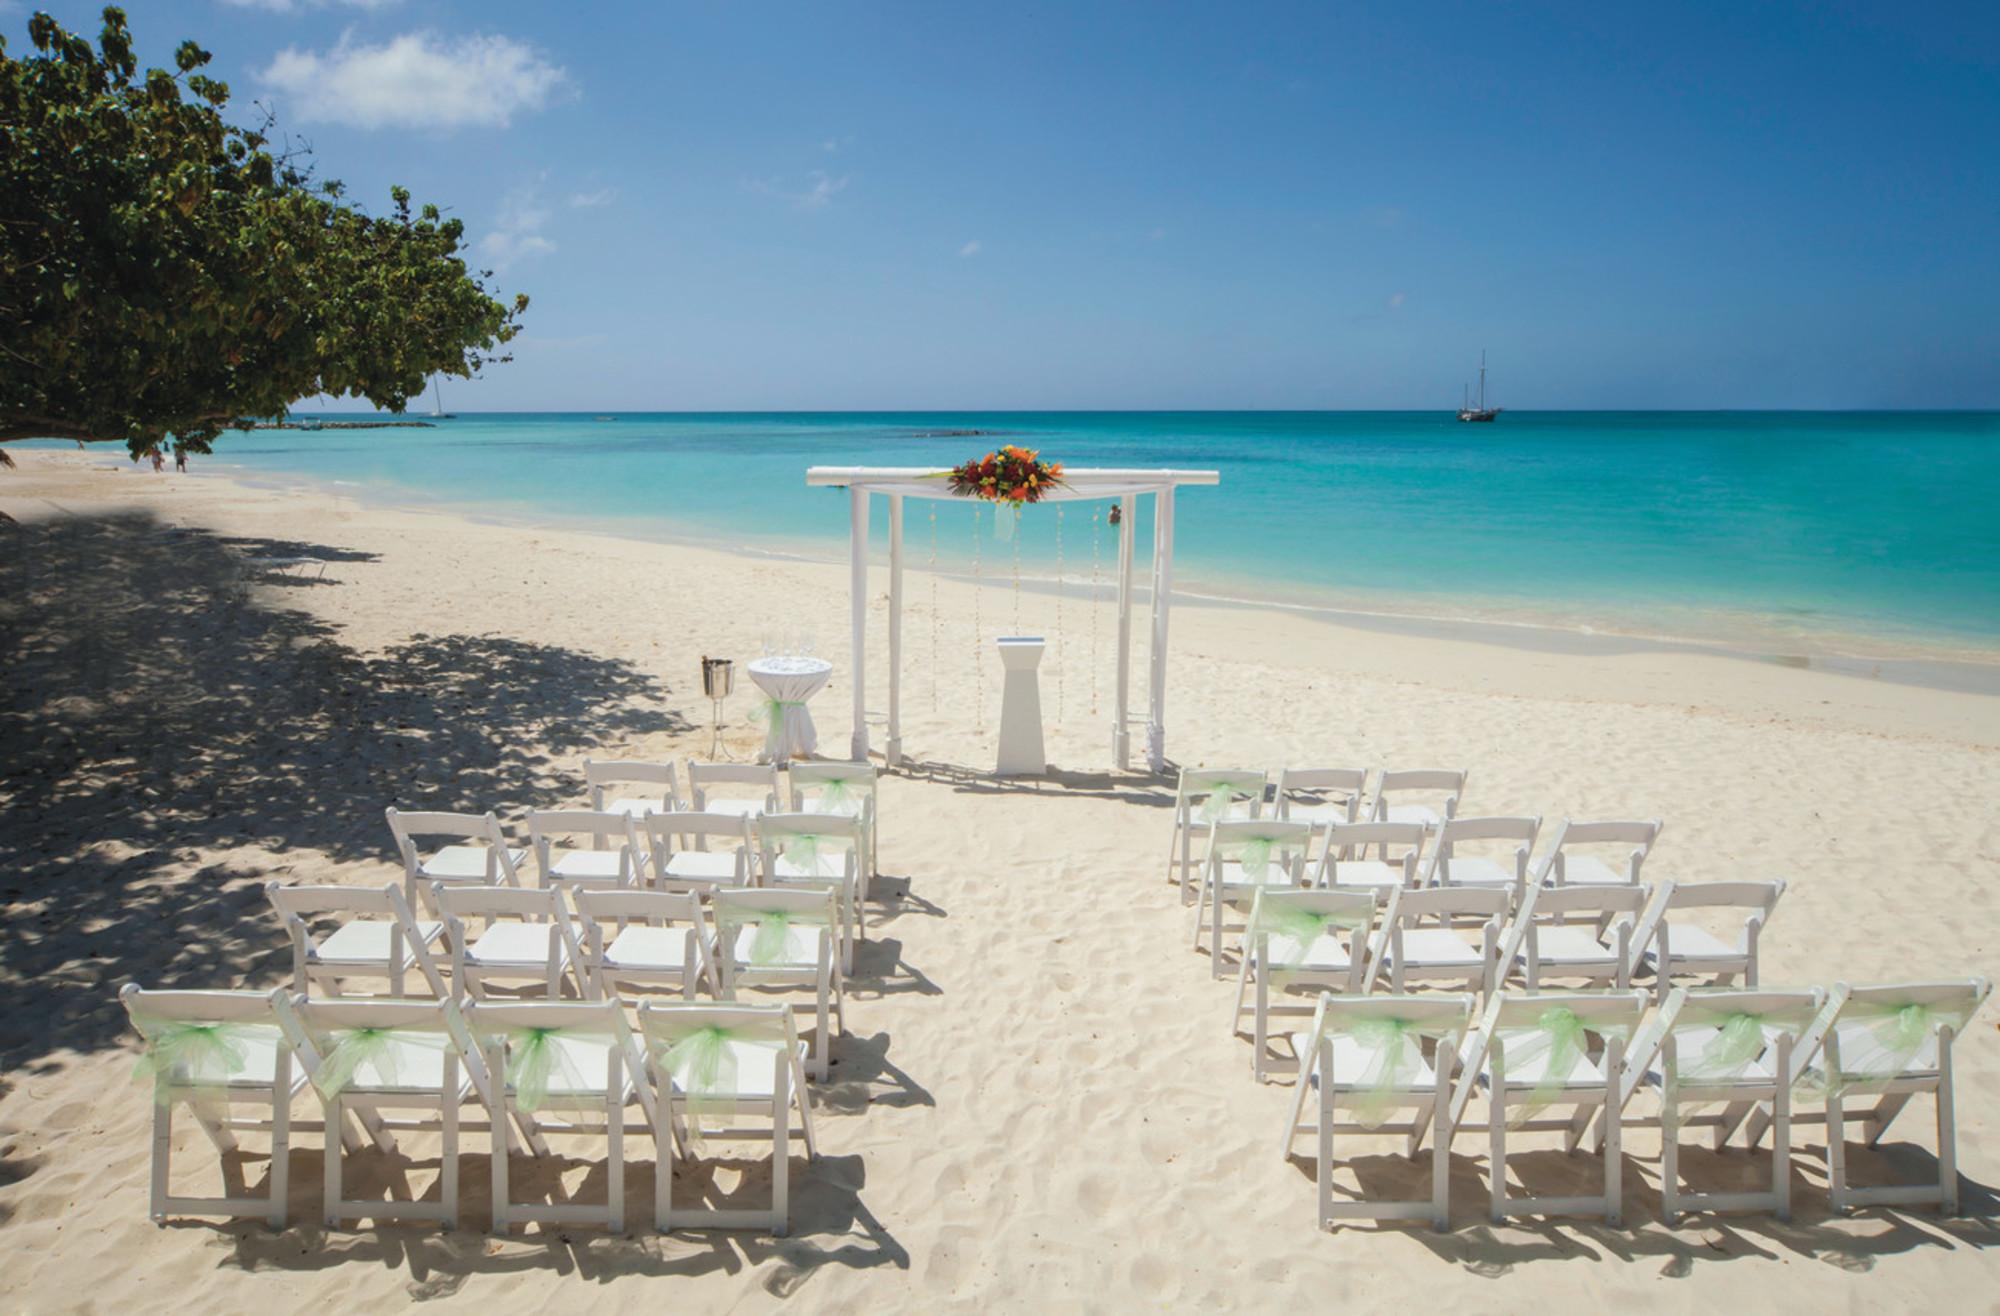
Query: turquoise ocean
point(1845, 532)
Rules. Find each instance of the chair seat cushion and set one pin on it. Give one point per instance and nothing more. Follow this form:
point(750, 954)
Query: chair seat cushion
point(367, 940)
point(581, 1067)
point(750, 1072)
point(1686, 941)
point(415, 1064)
point(464, 863)
point(1317, 814)
point(638, 806)
point(1324, 955)
point(588, 866)
point(735, 808)
point(1355, 1063)
point(248, 1057)
point(1435, 946)
point(1475, 870)
point(1411, 813)
point(1571, 943)
point(1691, 1043)
point(1589, 870)
point(517, 945)
point(1275, 874)
point(1527, 1059)
point(701, 865)
point(1366, 872)
point(643, 947)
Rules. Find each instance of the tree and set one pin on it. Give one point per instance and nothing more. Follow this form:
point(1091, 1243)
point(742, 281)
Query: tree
point(166, 274)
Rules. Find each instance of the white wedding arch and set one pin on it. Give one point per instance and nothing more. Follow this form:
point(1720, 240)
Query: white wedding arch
point(1128, 486)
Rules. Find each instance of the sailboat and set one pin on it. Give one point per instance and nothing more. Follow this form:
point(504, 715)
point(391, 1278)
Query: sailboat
point(437, 400)
point(1469, 412)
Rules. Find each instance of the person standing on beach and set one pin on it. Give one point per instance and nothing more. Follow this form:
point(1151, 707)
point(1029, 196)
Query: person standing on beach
point(159, 462)
point(180, 459)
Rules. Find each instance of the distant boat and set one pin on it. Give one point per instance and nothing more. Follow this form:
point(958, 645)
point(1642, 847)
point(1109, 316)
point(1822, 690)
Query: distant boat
point(437, 410)
point(1469, 412)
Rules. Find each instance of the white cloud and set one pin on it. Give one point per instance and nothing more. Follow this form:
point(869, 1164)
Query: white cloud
point(603, 196)
point(517, 235)
point(971, 249)
point(1395, 300)
point(418, 80)
point(294, 6)
point(821, 188)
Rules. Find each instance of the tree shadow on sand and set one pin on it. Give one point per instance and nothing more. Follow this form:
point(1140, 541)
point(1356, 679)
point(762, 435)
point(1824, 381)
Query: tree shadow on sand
point(155, 707)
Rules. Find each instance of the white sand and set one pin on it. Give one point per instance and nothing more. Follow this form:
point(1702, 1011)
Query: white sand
point(1039, 1104)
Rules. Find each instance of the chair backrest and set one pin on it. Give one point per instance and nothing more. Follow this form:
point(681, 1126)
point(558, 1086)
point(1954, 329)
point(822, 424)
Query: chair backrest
point(476, 828)
point(1757, 897)
point(491, 903)
point(1456, 831)
point(199, 1006)
point(703, 778)
point(846, 788)
point(1782, 1018)
point(316, 1028)
point(606, 831)
point(1346, 841)
point(1632, 842)
point(599, 774)
point(1407, 905)
point(1206, 795)
point(744, 906)
point(237, 1017)
point(662, 1024)
point(832, 840)
point(684, 829)
point(597, 906)
point(1293, 913)
point(1445, 1016)
point(1314, 786)
point(297, 905)
point(1286, 844)
point(1448, 782)
point(1513, 1010)
point(493, 1026)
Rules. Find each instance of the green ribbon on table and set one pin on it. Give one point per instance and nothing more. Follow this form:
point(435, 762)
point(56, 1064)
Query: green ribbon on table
point(202, 1056)
point(1894, 1032)
point(1561, 1038)
point(378, 1048)
point(702, 1063)
point(770, 714)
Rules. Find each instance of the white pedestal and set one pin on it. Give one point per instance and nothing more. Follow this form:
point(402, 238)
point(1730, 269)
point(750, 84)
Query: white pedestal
point(1021, 751)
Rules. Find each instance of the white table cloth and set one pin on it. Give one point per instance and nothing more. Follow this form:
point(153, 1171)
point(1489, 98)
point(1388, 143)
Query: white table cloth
point(787, 683)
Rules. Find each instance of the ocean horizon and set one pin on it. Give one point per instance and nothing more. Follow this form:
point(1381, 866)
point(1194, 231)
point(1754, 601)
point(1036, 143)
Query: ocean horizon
point(1810, 532)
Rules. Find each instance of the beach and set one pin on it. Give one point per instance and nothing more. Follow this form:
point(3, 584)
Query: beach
point(1038, 1104)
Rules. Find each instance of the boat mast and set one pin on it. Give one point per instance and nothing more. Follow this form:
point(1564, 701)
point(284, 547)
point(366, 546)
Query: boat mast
point(1482, 379)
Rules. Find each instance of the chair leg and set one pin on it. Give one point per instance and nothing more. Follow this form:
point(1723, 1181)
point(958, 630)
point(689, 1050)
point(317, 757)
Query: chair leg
point(1781, 1149)
point(1836, 1150)
point(163, 1151)
point(663, 1163)
point(281, 1147)
point(449, 1159)
point(781, 1150)
point(1496, 1151)
point(614, 1174)
point(1947, 1132)
point(1670, 1162)
point(330, 1173)
point(1325, 1155)
point(1614, 1161)
point(503, 1144)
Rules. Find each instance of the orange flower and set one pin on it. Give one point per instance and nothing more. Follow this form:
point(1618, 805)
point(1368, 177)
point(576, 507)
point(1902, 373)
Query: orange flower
point(1020, 492)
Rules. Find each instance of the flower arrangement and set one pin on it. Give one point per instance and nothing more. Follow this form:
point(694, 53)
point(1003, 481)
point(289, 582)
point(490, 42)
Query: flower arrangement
point(1013, 475)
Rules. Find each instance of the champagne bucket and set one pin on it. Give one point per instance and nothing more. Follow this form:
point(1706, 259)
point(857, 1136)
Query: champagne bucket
point(718, 677)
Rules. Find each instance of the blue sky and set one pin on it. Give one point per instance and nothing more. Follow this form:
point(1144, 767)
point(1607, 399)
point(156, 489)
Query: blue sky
point(935, 205)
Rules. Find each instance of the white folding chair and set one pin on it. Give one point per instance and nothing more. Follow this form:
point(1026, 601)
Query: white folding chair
point(719, 1063)
point(818, 850)
point(748, 789)
point(575, 1058)
point(646, 938)
point(851, 790)
point(1367, 1055)
point(1444, 789)
point(1572, 932)
point(1244, 857)
point(485, 858)
point(1344, 861)
point(614, 857)
point(700, 852)
point(776, 939)
point(1555, 1049)
point(526, 937)
point(610, 783)
point(1320, 796)
point(1681, 947)
point(1448, 952)
point(1205, 796)
point(1733, 1049)
point(382, 938)
point(1456, 858)
point(210, 1051)
point(1294, 943)
point(1598, 853)
point(368, 1056)
point(1891, 1042)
